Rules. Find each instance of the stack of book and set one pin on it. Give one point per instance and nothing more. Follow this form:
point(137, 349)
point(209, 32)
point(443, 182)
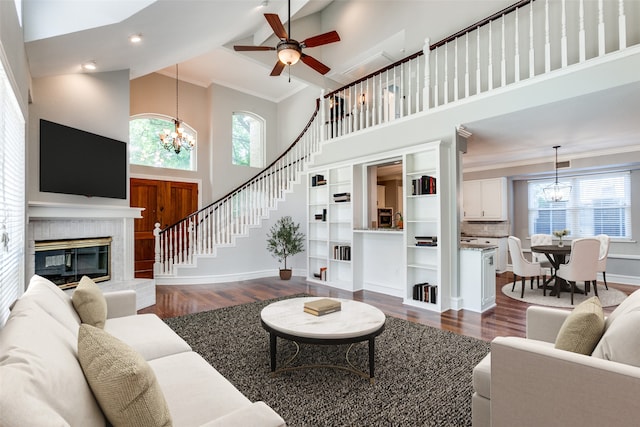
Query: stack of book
point(342, 252)
point(318, 180)
point(426, 240)
point(322, 275)
point(425, 292)
point(342, 197)
point(423, 185)
point(323, 306)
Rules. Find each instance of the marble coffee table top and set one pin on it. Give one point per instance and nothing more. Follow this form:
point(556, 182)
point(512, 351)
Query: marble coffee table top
point(354, 319)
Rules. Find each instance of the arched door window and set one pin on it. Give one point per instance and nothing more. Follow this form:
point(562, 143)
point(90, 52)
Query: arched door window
point(248, 140)
point(145, 148)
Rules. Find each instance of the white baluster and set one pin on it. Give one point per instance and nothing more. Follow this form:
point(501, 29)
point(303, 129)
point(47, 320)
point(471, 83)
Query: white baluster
point(581, 34)
point(366, 106)
point(156, 248)
point(380, 100)
point(516, 71)
point(622, 26)
point(478, 79)
point(387, 100)
point(426, 95)
point(361, 106)
point(466, 66)
point(547, 42)
point(436, 97)
point(395, 92)
point(455, 71)
point(323, 116)
point(563, 39)
point(409, 90)
point(601, 45)
point(532, 63)
point(490, 66)
point(445, 84)
point(503, 60)
point(402, 92)
point(374, 101)
point(417, 106)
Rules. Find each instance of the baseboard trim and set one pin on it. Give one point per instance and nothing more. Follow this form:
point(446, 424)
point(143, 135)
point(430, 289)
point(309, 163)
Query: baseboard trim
point(223, 278)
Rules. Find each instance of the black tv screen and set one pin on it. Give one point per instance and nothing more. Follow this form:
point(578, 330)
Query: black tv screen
point(73, 161)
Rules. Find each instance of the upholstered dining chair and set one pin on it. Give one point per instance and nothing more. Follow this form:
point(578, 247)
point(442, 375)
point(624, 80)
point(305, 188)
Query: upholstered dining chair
point(604, 254)
point(583, 265)
point(542, 240)
point(521, 266)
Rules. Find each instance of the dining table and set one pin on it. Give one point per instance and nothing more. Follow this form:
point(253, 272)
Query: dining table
point(557, 256)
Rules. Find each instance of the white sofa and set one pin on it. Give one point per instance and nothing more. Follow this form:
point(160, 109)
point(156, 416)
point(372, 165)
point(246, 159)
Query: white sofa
point(528, 382)
point(42, 381)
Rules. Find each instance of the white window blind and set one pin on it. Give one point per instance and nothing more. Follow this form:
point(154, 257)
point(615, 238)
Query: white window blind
point(12, 197)
point(597, 204)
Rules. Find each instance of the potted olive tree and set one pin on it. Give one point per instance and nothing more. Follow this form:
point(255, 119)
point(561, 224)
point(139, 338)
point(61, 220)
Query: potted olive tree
point(284, 240)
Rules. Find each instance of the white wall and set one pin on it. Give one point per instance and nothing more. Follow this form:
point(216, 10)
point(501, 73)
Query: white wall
point(13, 54)
point(97, 103)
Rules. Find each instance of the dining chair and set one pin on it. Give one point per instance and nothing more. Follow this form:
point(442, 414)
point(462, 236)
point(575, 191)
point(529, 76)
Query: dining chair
point(542, 240)
point(583, 265)
point(521, 266)
point(604, 254)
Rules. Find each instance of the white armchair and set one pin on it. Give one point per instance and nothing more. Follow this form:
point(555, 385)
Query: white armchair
point(528, 382)
point(521, 266)
point(542, 240)
point(604, 254)
point(582, 267)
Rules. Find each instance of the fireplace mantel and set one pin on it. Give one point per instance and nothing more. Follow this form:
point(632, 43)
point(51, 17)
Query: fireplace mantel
point(47, 210)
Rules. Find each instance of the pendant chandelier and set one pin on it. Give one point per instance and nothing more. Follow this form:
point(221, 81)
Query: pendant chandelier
point(557, 192)
point(177, 139)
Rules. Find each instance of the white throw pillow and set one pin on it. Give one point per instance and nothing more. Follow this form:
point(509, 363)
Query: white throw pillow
point(621, 341)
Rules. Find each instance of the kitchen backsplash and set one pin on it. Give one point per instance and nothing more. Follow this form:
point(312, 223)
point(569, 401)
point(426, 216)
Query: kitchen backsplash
point(486, 229)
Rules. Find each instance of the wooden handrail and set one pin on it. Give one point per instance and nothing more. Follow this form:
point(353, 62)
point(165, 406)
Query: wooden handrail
point(436, 45)
point(256, 176)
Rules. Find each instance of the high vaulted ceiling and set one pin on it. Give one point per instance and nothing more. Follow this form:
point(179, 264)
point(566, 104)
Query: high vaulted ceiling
point(200, 34)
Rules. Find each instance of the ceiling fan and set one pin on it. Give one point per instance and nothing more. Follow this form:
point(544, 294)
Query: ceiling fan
point(290, 50)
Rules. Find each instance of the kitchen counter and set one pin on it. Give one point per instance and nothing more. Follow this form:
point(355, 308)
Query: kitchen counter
point(477, 246)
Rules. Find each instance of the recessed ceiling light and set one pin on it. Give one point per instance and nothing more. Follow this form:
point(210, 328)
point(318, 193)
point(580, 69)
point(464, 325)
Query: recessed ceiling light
point(89, 66)
point(136, 38)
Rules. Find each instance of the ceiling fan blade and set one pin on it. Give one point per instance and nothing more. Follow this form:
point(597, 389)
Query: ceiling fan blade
point(319, 40)
point(249, 48)
point(276, 24)
point(277, 69)
point(315, 64)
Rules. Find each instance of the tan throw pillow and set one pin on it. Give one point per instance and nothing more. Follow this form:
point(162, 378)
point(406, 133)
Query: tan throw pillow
point(90, 303)
point(583, 328)
point(121, 380)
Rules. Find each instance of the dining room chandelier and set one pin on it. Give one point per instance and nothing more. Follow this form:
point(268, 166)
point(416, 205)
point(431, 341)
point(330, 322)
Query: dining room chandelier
point(557, 192)
point(177, 139)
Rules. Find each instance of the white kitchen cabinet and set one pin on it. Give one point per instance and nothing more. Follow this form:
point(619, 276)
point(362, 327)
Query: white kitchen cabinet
point(478, 279)
point(501, 251)
point(485, 200)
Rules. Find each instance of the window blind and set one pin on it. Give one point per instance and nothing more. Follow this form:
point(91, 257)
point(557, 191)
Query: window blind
point(12, 196)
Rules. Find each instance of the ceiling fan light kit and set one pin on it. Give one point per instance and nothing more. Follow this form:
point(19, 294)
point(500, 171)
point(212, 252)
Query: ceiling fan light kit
point(289, 50)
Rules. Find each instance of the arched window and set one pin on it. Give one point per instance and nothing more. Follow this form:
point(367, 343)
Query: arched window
point(248, 140)
point(145, 148)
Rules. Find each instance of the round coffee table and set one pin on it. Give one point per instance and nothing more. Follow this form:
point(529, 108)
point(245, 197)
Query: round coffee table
point(355, 322)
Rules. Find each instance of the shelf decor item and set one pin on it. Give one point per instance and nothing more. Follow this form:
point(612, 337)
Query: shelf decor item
point(560, 234)
point(284, 240)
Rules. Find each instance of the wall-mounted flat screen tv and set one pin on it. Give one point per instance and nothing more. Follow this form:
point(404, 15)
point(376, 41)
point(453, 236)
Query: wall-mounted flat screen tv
point(73, 161)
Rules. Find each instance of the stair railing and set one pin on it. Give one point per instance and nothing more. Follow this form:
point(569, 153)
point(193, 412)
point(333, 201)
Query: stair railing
point(220, 222)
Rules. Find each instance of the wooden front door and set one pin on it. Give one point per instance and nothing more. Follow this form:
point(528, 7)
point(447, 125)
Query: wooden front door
point(165, 202)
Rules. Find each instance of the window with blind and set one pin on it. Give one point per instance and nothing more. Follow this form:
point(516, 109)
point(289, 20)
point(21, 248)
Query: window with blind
point(597, 204)
point(12, 196)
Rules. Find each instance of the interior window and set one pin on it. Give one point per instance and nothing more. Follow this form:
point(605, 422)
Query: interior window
point(248, 140)
point(145, 148)
point(597, 204)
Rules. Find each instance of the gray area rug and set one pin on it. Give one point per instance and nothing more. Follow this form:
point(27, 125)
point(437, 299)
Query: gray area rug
point(423, 374)
point(608, 298)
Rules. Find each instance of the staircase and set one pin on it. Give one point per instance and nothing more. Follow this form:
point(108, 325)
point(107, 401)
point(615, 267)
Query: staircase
point(233, 215)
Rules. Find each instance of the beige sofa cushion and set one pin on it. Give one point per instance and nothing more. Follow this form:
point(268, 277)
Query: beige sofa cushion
point(147, 334)
point(621, 341)
point(54, 301)
point(630, 303)
point(41, 382)
point(122, 381)
point(583, 328)
point(90, 303)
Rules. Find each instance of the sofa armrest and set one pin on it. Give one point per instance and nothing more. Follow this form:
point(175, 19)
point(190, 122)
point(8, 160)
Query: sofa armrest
point(120, 303)
point(543, 323)
point(532, 383)
point(256, 414)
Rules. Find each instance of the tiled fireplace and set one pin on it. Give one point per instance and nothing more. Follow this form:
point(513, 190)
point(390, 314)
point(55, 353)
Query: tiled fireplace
point(53, 222)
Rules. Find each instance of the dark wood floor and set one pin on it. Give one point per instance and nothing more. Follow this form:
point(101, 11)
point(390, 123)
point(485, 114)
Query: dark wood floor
point(506, 319)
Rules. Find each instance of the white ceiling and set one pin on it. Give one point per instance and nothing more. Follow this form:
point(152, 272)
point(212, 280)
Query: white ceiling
point(199, 35)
